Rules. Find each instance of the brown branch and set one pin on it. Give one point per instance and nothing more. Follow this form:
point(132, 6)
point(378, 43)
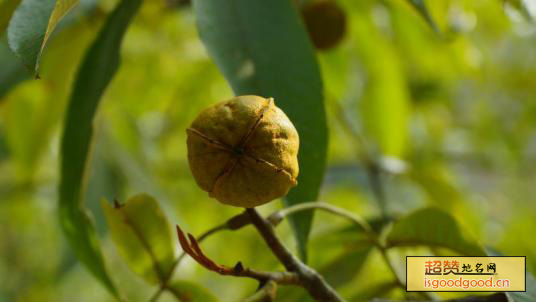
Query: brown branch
point(190, 246)
point(313, 282)
point(243, 219)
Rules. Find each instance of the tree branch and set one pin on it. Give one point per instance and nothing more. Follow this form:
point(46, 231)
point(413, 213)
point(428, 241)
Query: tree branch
point(314, 283)
point(278, 216)
point(191, 247)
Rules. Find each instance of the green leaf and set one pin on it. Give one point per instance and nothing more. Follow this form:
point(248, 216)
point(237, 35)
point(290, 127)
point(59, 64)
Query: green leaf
point(345, 267)
point(420, 6)
point(142, 235)
point(530, 291)
point(32, 24)
point(432, 227)
point(262, 48)
point(340, 271)
point(61, 8)
point(6, 10)
point(12, 71)
point(97, 69)
point(186, 291)
point(374, 291)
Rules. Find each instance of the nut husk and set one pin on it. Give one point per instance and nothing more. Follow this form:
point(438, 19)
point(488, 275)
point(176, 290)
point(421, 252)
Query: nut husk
point(243, 151)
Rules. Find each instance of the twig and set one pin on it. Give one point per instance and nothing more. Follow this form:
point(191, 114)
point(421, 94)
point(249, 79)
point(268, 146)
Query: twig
point(314, 283)
point(278, 216)
point(244, 219)
point(190, 246)
point(234, 223)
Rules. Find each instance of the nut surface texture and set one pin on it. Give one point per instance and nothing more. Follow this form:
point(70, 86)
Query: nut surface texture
point(243, 151)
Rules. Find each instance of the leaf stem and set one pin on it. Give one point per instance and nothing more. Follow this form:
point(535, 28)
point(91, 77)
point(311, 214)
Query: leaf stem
point(234, 223)
point(278, 216)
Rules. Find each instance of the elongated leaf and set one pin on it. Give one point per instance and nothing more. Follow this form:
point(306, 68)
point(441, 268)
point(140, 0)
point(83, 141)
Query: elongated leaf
point(186, 291)
point(262, 48)
point(432, 227)
point(31, 26)
point(142, 235)
point(530, 291)
point(97, 69)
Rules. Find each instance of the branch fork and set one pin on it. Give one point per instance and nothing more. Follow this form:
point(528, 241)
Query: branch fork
point(191, 247)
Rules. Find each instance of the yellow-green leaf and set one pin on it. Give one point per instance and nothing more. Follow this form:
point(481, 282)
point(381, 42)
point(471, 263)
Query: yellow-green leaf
point(433, 227)
point(142, 236)
point(32, 24)
point(61, 8)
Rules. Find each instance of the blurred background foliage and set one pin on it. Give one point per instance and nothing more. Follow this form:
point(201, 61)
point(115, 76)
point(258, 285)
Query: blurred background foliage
point(445, 100)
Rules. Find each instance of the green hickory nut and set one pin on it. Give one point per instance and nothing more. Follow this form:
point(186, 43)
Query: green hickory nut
point(244, 151)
